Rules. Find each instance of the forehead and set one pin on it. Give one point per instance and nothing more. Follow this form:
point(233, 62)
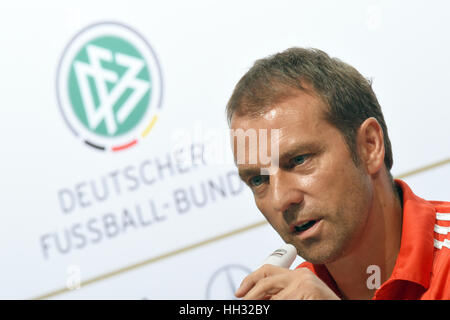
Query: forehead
point(301, 114)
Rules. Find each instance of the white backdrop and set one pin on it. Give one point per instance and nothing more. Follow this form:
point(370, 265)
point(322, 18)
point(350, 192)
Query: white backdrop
point(194, 231)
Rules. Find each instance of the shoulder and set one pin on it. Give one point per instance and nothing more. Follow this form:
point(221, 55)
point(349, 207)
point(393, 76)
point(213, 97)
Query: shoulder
point(441, 206)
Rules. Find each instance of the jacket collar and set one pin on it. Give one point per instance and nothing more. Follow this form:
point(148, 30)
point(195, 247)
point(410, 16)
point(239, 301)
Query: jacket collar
point(415, 258)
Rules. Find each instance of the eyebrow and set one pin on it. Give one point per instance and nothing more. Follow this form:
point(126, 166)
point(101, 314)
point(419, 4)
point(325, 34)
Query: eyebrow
point(292, 151)
point(246, 172)
point(298, 149)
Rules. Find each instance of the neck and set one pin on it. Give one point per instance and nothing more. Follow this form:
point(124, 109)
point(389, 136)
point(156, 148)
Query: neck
point(370, 263)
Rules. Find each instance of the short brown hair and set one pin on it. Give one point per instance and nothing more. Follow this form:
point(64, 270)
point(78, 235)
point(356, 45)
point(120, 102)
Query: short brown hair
point(347, 93)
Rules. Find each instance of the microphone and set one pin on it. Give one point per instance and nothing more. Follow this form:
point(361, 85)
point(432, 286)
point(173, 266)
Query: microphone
point(282, 257)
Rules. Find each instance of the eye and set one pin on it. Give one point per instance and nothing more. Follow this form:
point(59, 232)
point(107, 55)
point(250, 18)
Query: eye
point(298, 160)
point(257, 180)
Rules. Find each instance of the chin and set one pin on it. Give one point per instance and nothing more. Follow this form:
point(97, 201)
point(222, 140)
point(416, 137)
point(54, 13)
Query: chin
point(319, 253)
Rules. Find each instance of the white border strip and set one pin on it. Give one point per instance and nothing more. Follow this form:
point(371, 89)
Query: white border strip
point(441, 229)
point(443, 216)
point(439, 244)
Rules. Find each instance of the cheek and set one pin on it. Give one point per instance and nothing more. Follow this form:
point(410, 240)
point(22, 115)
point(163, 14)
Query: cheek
point(259, 206)
point(318, 185)
point(355, 198)
point(262, 207)
point(334, 178)
point(337, 186)
point(265, 208)
point(324, 176)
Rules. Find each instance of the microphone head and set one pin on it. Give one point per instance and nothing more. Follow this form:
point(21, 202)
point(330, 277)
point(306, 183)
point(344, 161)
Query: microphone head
point(282, 257)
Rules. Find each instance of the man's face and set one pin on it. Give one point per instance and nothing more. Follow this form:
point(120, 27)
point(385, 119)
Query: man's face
point(317, 199)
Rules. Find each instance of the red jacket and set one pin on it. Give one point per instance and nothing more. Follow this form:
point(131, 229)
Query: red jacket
point(422, 269)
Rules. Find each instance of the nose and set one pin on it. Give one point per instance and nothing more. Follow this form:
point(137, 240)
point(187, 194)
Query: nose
point(286, 191)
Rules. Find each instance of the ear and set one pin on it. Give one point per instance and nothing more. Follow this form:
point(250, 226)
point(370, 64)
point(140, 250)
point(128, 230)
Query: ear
point(371, 145)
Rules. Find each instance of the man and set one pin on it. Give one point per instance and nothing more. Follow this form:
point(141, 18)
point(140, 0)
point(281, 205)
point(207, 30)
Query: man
point(330, 192)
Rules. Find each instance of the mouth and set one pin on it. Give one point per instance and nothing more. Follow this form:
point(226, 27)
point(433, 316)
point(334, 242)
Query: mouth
point(303, 226)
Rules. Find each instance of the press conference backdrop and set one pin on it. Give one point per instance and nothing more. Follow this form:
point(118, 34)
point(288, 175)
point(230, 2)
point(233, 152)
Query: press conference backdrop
point(117, 181)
